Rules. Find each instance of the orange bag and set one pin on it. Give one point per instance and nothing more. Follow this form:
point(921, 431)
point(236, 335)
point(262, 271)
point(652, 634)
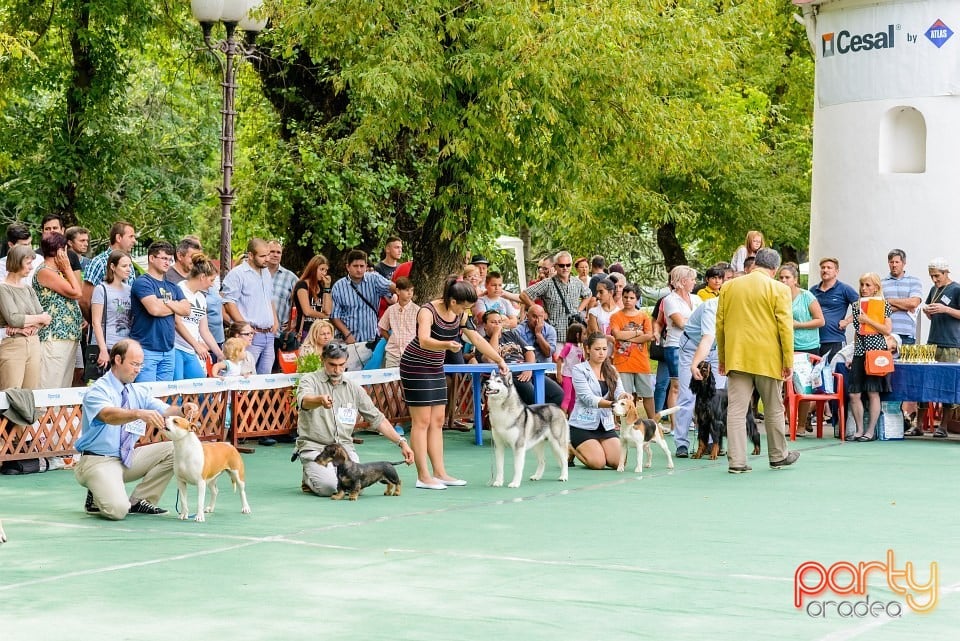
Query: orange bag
point(878, 362)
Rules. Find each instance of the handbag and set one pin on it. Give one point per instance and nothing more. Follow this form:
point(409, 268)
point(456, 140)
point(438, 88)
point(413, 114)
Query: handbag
point(878, 362)
point(288, 340)
point(91, 351)
point(572, 317)
point(24, 466)
point(657, 351)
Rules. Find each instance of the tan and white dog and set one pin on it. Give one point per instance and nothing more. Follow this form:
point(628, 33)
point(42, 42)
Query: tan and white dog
point(200, 464)
point(638, 432)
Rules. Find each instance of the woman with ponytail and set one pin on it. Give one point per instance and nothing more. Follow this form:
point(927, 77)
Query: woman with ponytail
point(194, 342)
point(597, 387)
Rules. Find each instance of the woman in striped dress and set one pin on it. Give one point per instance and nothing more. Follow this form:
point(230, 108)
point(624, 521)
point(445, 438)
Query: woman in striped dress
point(439, 326)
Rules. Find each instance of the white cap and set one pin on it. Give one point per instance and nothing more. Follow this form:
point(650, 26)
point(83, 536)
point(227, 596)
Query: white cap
point(939, 263)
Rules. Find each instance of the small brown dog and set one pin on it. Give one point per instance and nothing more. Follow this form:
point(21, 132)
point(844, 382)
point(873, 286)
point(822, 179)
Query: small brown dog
point(353, 477)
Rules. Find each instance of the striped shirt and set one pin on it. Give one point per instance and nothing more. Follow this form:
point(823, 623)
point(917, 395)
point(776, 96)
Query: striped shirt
point(904, 323)
point(96, 269)
point(251, 290)
point(348, 306)
point(283, 282)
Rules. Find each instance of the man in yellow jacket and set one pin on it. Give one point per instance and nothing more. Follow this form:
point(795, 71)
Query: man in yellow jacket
point(755, 350)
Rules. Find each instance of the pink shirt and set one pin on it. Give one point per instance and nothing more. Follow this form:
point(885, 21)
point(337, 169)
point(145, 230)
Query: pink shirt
point(401, 322)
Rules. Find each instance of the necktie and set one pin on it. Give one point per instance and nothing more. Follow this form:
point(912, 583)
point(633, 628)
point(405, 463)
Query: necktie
point(127, 439)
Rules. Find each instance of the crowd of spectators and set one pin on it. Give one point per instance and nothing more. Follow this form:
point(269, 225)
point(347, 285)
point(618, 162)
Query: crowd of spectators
point(56, 303)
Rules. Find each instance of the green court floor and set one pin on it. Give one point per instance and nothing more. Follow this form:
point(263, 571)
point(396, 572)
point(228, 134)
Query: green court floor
point(694, 554)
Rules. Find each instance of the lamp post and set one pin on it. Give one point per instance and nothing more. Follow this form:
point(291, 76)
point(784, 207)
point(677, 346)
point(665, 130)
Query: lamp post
point(233, 14)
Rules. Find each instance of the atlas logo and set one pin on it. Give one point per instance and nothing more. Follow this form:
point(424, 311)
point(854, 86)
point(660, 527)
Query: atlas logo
point(845, 42)
point(938, 33)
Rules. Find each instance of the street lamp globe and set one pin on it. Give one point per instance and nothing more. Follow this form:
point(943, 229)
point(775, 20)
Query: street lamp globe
point(233, 10)
point(206, 10)
point(250, 24)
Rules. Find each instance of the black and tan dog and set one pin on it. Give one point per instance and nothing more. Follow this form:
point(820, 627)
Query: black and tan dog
point(710, 413)
point(353, 477)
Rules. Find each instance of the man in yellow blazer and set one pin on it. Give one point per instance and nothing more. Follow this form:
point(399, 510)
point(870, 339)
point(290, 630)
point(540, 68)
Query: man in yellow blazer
point(755, 350)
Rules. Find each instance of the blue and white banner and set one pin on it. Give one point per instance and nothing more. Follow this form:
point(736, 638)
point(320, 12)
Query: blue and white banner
point(888, 50)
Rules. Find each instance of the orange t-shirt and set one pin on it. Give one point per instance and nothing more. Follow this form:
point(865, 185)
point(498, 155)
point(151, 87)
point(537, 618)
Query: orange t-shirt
point(632, 358)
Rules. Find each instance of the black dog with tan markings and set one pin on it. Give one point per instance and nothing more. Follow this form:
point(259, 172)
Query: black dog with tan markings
point(710, 413)
point(353, 477)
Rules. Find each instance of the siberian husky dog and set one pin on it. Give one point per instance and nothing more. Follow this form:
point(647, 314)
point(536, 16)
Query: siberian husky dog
point(520, 427)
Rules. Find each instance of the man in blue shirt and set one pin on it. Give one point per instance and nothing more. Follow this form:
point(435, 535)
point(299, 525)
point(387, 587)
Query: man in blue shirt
point(116, 413)
point(904, 293)
point(539, 333)
point(153, 302)
point(835, 299)
point(699, 342)
point(248, 297)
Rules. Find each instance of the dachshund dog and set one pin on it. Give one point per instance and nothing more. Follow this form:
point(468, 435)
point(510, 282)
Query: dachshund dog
point(353, 477)
point(710, 413)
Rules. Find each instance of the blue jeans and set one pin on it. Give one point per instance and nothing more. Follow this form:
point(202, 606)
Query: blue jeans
point(663, 384)
point(187, 365)
point(685, 401)
point(157, 366)
point(263, 352)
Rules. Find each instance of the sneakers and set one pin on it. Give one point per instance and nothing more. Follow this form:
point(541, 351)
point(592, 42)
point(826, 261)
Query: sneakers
point(682, 452)
point(89, 506)
point(790, 460)
point(143, 506)
point(739, 469)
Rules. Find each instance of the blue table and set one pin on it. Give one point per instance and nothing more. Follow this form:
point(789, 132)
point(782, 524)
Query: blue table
point(932, 382)
point(477, 371)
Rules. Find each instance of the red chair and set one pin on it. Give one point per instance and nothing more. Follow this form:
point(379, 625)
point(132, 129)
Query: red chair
point(794, 399)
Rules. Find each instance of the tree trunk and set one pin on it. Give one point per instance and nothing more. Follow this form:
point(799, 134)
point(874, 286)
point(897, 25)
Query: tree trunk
point(82, 75)
point(438, 257)
point(669, 245)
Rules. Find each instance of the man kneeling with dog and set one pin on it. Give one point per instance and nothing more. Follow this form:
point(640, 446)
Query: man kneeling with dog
point(330, 406)
point(116, 414)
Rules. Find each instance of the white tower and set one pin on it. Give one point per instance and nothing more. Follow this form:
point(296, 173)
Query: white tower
point(886, 143)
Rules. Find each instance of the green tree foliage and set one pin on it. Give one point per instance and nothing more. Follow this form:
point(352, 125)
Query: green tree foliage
point(590, 119)
point(105, 122)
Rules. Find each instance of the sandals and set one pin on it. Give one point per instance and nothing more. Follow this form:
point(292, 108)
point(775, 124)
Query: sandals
point(863, 438)
point(939, 433)
point(914, 431)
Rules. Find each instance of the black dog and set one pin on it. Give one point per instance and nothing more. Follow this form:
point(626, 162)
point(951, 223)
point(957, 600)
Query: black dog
point(353, 477)
point(710, 413)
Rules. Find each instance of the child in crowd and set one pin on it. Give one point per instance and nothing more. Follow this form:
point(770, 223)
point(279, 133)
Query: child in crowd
point(633, 330)
point(245, 332)
point(321, 333)
point(493, 300)
point(399, 323)
point(569, 356)
point(234, 354)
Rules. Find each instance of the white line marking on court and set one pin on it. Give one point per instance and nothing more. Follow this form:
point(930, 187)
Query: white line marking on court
point(124, 566)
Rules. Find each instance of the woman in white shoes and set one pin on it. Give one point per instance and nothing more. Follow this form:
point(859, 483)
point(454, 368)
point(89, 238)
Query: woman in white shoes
point(439, 326)
point(597, 386)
